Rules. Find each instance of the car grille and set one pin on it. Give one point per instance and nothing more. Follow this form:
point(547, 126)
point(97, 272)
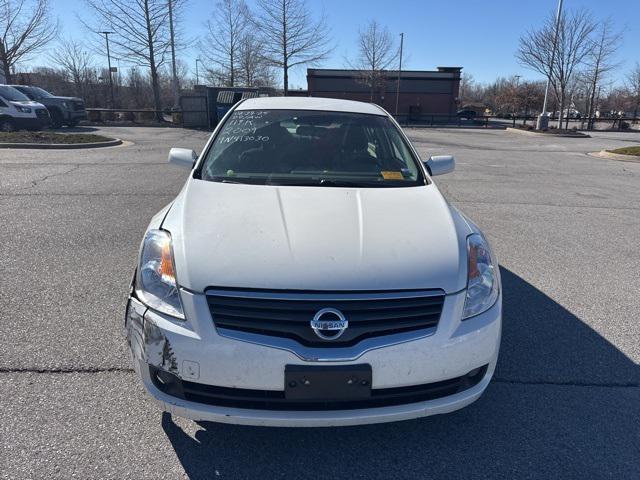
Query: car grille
point(289, 313)
point(276, 400)
point(42, 113)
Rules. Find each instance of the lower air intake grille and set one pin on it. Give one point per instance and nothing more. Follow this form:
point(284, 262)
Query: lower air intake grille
point(276, 400)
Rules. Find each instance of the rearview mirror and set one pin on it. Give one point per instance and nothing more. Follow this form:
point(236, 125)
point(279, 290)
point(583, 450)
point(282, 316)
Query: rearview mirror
point(183, 157)
point(440, 164)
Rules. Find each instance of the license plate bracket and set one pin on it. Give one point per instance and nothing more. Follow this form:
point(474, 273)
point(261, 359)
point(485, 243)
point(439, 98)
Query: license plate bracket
point(326, 383)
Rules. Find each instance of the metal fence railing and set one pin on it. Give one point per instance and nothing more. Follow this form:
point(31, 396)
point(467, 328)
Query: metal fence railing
point(496, 121)
point(141, 115)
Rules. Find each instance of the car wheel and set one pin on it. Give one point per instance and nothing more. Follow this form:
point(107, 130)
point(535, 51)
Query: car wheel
point(7, 125)
point(56, 119)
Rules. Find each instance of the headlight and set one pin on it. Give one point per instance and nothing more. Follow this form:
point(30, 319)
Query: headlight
point(482, 278)
point(23, 109)
point(65, 105)
point(156, 284)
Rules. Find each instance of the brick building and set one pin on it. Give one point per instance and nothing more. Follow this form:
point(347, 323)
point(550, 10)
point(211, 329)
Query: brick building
point(421, 92)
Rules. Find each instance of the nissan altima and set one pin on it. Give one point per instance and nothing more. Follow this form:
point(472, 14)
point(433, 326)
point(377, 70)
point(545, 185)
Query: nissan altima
point(310, 273)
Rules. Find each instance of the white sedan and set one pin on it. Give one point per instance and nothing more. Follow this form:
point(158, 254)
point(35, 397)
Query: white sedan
point(310, 273)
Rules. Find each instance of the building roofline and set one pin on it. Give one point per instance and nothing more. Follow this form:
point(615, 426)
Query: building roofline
point(443, 72)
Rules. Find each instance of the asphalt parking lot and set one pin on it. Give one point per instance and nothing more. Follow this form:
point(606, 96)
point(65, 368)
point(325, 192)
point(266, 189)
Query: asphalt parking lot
point(565, 401)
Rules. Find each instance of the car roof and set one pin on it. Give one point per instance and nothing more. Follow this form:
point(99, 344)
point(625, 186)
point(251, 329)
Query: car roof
point(310, 103)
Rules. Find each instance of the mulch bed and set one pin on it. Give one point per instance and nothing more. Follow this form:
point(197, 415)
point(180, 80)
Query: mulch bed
point(51, 138)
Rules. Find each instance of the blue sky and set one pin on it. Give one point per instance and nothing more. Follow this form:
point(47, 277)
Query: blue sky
point(479, 35)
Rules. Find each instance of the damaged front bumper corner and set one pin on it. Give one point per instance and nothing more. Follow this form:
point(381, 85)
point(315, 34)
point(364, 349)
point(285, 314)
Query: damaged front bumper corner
point(147, 342)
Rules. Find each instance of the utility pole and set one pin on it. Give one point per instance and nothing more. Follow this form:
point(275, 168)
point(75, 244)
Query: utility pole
point(543, 124)
point(176, 93)
point(399, 72)
point(106, 37)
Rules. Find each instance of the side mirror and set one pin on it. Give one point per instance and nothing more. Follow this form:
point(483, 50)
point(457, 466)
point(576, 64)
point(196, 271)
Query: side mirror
point(183, 157)
point(440, 164)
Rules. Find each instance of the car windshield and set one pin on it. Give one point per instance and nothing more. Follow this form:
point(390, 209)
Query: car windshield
point(40, 92)
point(306, 147)
point(11, 94)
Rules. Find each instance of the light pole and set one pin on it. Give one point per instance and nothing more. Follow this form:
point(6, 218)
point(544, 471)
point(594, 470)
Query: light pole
point(543, 118)
point(174, 70)
point(516, 96)
point(399, 72)
point(197, 75)
point(106, 37)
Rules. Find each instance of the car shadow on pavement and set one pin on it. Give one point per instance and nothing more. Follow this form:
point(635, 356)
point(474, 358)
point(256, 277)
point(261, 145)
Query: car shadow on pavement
point(560, 406)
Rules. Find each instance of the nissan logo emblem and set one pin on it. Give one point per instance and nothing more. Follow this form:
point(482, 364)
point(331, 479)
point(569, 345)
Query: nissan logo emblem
point(329, 323)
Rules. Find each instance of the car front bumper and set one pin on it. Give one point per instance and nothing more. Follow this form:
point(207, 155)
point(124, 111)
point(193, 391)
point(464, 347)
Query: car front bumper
point(31, 123)
point(194, 351)
point(75, 115)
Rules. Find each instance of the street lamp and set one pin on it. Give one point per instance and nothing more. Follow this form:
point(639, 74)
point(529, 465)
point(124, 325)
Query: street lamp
point(106, 37)
point(543, 118)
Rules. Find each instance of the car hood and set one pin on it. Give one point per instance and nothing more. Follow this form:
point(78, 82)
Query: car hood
point(315, 238)
point(28, 103)
point(65, 99)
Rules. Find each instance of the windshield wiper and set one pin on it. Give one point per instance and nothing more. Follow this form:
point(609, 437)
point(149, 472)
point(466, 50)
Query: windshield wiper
point(329, 182)
point(237, 180)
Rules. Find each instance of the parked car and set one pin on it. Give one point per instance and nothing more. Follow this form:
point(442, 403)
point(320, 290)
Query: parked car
point(310, 273)
point(18, 112)
point(63, 110)
point(466, 113)
point(572, 113)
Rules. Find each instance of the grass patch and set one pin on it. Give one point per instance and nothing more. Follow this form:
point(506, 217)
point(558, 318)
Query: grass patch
point(50, 137)
point(627, 151)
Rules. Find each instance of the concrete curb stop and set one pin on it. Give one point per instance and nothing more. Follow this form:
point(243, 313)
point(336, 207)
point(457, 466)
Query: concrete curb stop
point(63, 146)
point(548, 135)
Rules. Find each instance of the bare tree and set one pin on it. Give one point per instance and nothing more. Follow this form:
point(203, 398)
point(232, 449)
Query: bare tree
point(254, 70)
point(633, 86)
point(290, 35)
point(467, 84)
point(225, 32)
point(376, 52)
point(573, 46)
point(137, 87)
point(25, 28)
point(141, 34)
point(530, 95)
point(600, 61)
point(75, 62)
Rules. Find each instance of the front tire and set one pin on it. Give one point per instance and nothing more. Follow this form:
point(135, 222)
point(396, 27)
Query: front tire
point(6, 125)
point(56, 118)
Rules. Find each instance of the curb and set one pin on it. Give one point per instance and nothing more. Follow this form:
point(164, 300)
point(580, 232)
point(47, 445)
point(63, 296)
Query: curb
point(615, 156)
point(63, 146)
point(548, 135)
